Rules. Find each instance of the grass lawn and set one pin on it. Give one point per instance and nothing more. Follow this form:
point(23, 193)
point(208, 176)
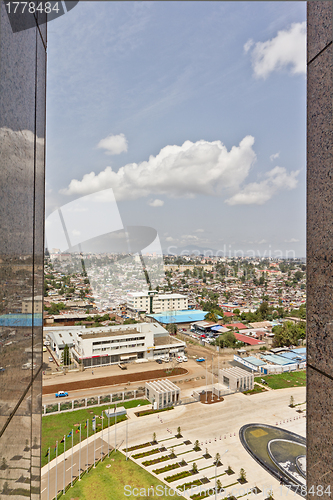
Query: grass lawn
point(54, 427)
point(283, 380)
point(104, 483)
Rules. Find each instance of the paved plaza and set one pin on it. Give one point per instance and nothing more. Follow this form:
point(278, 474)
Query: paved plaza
point(217, 428)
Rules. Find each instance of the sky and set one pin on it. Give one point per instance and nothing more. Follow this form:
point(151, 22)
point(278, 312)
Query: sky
point(193, 113)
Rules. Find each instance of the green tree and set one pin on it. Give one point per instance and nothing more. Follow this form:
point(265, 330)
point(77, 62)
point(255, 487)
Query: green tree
point(196, 446)
point(130, 321)
point(66, 357)
point(172, 328)
point(227, 339)
point(211, 317)
point(263, 309)
point(288, 334)
point(242, 474)
point(298, 275)
point(194, 468)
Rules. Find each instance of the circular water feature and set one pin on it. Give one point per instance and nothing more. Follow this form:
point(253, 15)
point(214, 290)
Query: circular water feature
point(282, 453)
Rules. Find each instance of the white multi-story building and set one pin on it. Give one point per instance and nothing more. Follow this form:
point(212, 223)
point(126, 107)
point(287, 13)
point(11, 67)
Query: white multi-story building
point(151, 302)
point(122, 343)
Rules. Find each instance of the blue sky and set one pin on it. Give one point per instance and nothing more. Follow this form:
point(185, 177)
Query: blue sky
point(192, 112)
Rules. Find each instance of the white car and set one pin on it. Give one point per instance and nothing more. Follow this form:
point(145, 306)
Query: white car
point(180, 360)
point(185, 358)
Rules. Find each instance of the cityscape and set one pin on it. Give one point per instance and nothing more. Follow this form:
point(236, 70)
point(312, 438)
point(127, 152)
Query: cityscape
point(165, 255)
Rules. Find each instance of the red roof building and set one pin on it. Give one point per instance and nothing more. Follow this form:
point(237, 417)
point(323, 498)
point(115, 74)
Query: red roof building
point(246, 339)
point(228, 314)
point(240, 326)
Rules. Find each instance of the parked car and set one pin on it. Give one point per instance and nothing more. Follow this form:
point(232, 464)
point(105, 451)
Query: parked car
point(180, 360)
point(159, 361)
point(50, 359)
point(61, 394)
point(185, 358)
point(199, 360)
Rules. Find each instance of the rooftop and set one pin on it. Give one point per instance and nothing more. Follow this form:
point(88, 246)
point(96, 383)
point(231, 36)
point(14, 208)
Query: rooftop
point(187, 316)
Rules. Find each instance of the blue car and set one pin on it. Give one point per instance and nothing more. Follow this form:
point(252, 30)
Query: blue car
point(199, 360)
point(61, 394)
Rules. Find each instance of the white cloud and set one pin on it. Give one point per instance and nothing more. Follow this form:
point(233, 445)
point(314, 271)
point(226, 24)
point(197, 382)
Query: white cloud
point(248, 45)
point(274, 156)
point(169, 238)
point(292, 240)
point(286, 50)
point(261, 242)
point(258, 193)
point(203, 167)
point(199, 231)
point(114, 144)
point(156, 203)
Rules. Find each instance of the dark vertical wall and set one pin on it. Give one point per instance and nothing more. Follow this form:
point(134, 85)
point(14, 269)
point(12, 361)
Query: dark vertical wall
point(319, 249)
point(22, 152)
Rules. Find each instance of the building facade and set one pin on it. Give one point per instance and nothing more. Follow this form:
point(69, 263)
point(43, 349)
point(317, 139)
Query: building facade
point(22, 154)
point(122, 343)
point(162, 393)
point(156, 303)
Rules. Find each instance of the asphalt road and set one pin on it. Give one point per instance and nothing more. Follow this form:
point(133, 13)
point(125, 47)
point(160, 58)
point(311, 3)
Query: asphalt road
point(194, 370)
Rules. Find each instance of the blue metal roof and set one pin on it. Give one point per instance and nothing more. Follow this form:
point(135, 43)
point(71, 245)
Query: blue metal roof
point(254, 361)
point(277, 360)
point(299, 350)
point(293, 356)
point(187, 316)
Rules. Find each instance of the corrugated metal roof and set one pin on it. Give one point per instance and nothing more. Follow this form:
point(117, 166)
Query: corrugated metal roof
point(254, 361)
point(188, 316)
point(246, 339)
point(277, 360)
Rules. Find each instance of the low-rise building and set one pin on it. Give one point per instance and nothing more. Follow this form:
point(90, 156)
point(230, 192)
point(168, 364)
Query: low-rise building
point(162, 393)
point(108, 345)
point(152, 302)
point(236, 379)
point(59, 336)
